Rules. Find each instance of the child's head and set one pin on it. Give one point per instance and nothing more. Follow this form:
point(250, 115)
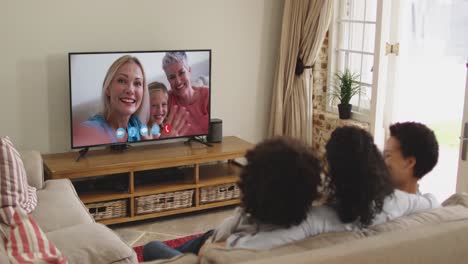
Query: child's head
point(159, 98)
point(410, 152)
point(358, 177)
point(280, 181)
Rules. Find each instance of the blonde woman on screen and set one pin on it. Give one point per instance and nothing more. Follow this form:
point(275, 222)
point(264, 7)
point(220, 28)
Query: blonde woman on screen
point(126, 103)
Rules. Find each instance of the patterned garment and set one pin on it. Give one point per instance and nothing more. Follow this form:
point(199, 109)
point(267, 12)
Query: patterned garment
point(25, 242)
point(14, 187)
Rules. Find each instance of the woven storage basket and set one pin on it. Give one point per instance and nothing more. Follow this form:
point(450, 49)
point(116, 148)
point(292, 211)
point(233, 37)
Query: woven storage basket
point(222, 192)
point(163, 202)
point(107, 210)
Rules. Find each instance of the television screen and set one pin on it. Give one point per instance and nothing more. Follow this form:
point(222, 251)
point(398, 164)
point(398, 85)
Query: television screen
point(121, 97)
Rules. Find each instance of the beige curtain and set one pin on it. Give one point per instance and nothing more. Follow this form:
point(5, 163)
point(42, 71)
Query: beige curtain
point(305, 24)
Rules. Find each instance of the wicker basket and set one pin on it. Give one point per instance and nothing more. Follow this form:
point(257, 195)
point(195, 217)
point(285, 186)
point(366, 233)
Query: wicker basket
point(222, 192)
point(107, 210)
point(163, 202)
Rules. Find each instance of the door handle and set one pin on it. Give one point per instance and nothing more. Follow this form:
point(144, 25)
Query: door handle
point(464, 140)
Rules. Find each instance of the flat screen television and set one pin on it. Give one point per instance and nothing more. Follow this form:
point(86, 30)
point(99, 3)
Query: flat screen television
point(128, 97)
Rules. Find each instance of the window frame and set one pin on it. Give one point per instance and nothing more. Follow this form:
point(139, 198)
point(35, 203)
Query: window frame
point(333, 42)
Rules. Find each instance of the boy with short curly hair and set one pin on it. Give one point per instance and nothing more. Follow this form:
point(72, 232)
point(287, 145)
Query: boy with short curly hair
point(410, 153)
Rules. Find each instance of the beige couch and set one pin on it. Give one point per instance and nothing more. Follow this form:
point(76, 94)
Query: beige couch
point(447, 243)
point(435, 236)
point(66, 221)
point(68, 225)
point(432, 237)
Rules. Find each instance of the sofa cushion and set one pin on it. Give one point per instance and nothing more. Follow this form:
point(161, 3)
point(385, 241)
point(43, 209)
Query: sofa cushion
point(32, 161)
point(454, 208)
point(430, 217)
point(92, 243)
point(457, 199)
point(59, 206)
point(330, 239)
point(431, 244)
point(25, 242)
point(454, 211)
point(181, 259)
point(214, 254)
point(14, 188)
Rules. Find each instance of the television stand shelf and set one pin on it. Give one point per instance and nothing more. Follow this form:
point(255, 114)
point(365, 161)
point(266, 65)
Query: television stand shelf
point(144, 172)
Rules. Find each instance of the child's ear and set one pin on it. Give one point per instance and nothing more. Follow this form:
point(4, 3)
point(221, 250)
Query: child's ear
point(190, 69)
point(107, 92)
point(411, 162)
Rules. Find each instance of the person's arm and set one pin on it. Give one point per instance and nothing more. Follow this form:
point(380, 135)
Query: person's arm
point(227, 227)
point(264, 240)
point(208, 244)
point(403, 203)
point(223, 231)
point(318, 220)
point(417, 203)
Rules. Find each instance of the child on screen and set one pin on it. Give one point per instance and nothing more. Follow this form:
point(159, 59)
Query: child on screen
point(160, 116)
point(159, 98)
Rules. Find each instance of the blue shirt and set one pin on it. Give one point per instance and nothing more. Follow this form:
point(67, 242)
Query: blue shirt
point(98, 121)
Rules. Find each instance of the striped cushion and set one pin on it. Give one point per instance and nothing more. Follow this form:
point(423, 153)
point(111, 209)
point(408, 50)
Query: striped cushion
point(14, 188)
point(24, 240)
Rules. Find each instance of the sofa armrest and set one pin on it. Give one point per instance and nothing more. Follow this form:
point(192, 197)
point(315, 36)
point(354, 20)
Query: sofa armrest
point(32, 161)
point(92, 244)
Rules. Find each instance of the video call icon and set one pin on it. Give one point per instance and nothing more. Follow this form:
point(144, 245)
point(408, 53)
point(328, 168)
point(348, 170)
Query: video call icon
point(155, 130)
point(132, 132)
point(144, 131)
point(120, 132)
point(167, 128)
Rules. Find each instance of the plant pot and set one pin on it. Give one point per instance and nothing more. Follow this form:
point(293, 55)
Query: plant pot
point(344, 111)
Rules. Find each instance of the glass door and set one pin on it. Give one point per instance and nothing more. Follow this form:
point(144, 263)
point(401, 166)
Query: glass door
point(462, 179)
point(426, 80)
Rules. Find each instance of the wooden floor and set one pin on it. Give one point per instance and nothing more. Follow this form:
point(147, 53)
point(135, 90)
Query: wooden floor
point(171, 227)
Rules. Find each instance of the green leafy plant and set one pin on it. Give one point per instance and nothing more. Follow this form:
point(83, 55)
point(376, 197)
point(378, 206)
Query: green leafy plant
point(346, 86)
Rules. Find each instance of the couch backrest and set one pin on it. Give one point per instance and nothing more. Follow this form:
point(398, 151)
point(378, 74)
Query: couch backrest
point(454, 211)
point(32, 161)
point(429, 244)
point(225, 256)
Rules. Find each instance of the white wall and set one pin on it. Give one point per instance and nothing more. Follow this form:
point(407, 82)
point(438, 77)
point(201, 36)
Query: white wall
point(36, 36)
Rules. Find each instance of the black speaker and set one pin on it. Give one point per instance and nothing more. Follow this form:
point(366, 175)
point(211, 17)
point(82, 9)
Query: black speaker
point(215, 132)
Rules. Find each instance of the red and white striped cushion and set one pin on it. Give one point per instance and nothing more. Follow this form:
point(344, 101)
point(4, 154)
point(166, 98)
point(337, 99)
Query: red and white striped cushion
point(25, 242)
point(14, 187)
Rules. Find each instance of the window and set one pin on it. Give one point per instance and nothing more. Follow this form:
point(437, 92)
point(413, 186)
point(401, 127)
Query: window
point(352, 46)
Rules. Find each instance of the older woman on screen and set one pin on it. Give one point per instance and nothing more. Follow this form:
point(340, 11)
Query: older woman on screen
point(126, 103)
point(195, 99)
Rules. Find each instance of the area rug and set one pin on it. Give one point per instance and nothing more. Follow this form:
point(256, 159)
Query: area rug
point(172, 243)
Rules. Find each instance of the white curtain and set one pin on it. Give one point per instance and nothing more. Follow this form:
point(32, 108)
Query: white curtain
point(305, 24)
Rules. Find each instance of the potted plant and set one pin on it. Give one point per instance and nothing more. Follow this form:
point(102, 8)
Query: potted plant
point(346, 86)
